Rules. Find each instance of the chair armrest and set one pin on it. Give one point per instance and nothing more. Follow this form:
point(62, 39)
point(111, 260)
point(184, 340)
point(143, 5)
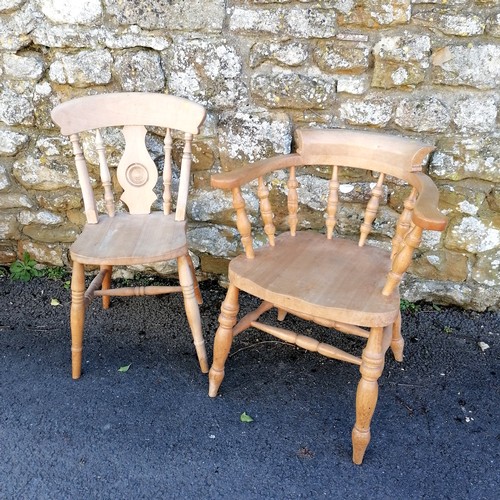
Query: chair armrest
point(240, 176)
point(426, 214)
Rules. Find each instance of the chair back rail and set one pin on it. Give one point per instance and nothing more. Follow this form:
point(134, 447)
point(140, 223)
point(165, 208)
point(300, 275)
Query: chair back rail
point(137, 172)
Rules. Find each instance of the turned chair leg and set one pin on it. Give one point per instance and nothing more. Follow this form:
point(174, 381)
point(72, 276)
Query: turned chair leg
point(192, 310)
point(397, 343)
point(77, 316)
point(372, 364)
point(106, 285)
point(223, 339)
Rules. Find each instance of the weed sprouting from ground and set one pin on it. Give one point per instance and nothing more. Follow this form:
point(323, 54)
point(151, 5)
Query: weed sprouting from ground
point(25, 269)
point(410, 307)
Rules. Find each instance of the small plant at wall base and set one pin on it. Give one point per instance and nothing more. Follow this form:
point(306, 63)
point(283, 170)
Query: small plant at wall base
point(410, 307)
point(24, 270)
point(55, 273)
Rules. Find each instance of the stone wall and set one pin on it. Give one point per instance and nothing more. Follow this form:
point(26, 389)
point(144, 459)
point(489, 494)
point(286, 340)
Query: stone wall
point(422, 68)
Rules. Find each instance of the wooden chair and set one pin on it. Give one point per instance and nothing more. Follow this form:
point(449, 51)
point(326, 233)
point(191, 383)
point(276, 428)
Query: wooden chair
point(334, 282)
point(138, 236)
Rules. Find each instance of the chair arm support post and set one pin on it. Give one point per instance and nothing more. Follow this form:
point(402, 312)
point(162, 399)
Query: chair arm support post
point(402, 259)
point(404, 222)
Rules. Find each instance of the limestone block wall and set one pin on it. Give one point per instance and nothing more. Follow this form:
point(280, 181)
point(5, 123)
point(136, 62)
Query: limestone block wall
point(418, 68)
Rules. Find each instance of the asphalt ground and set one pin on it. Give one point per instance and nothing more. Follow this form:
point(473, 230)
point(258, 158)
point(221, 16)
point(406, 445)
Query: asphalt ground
point(152, 432)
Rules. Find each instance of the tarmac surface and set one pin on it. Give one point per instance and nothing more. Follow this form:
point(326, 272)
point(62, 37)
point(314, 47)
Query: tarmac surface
point(153, 432)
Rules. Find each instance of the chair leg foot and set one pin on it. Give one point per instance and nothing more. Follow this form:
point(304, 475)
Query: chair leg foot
point(360, 441)
point(397, 343)
point(192, 310)
point(223, 339)
point(215, 378)
point(371, 368)
point(77, 318)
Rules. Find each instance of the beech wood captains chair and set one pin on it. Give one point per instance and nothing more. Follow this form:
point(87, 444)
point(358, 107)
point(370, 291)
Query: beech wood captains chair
point(138, 236)
point(335, 282)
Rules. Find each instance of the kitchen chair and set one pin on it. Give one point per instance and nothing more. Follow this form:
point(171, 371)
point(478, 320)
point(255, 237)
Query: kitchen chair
point(350, 286)
point(137, 236)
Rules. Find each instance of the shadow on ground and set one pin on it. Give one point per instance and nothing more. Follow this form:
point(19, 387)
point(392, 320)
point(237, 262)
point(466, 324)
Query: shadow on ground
point(152, 432)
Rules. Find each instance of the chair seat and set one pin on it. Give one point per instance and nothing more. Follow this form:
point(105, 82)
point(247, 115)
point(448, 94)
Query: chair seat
point(332, 279)
point(130, 239)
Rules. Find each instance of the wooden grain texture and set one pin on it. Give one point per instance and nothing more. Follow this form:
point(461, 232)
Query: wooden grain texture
point(128, 108)
point(130, 239)
point(312, 274)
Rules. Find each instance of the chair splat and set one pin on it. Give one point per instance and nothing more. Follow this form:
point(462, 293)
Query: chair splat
point(137, 173)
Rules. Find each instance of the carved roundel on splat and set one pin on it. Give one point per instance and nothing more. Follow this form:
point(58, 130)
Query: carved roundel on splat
point(137, 174)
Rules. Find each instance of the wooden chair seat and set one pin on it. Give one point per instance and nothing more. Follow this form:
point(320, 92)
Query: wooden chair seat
point(127, 239)
point(310, 274)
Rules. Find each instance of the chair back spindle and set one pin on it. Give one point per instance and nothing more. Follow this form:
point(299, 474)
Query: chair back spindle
point(371, 210)
point(292, 201)
point(333, 202)
point(266, 211)
point(109, 198)
point(89, 204)
point(180, 212)
point(167, 173)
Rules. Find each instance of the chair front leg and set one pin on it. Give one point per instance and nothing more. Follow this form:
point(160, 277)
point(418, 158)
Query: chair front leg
point(192, 310)
point(77, 318)
point(372, 364)
point(223, 339)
